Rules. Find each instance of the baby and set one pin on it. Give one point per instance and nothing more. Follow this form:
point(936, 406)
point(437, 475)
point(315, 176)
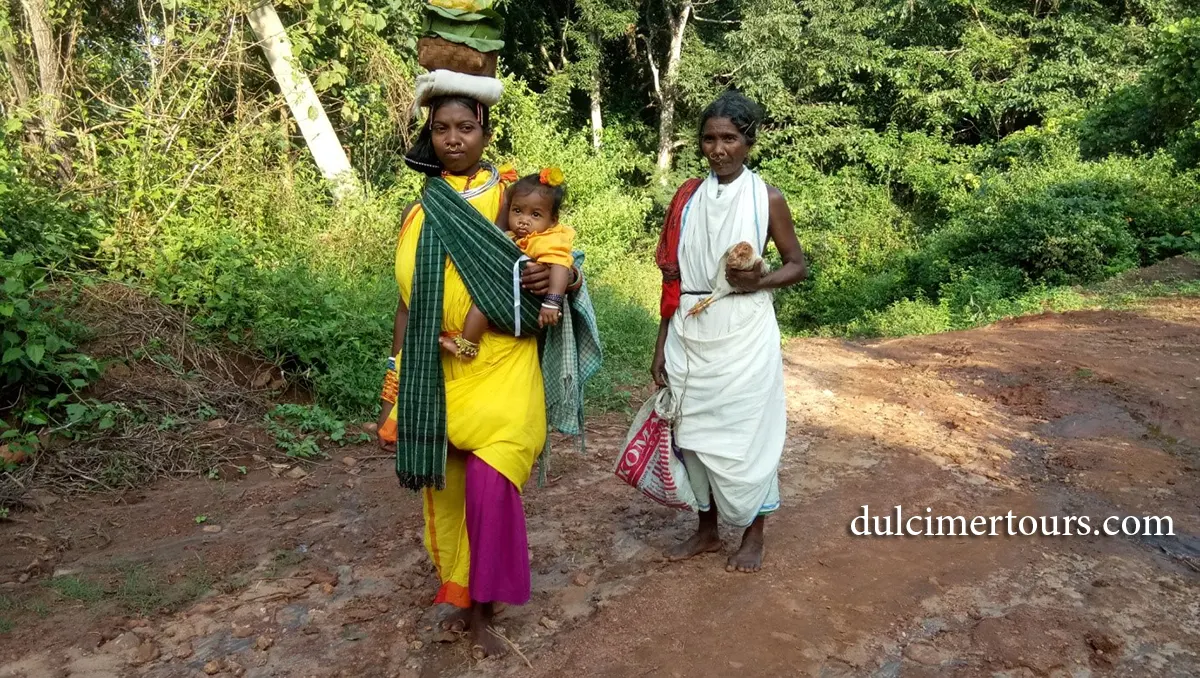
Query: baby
point(532, 222)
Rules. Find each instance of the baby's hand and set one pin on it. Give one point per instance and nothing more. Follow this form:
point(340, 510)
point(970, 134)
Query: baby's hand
point(549, 316)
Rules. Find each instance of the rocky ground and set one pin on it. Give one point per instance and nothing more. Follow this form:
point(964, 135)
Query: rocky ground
point(318, 570)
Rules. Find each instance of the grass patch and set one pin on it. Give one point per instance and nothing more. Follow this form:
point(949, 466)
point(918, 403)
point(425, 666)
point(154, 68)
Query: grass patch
point(141, 590)
point(921, 316)
point(77, 589)
point(134, 587)
point(627, 333)
point(6, 606)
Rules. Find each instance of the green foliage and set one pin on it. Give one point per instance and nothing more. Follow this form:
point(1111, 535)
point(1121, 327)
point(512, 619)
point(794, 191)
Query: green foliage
point(1184, 243)
point(35, 221)
point(1161, 110)
point(301, 430)
point(40, 367)
point(1066, 222)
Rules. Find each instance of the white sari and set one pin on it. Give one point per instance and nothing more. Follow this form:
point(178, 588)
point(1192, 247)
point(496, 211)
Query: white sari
point(724, 366)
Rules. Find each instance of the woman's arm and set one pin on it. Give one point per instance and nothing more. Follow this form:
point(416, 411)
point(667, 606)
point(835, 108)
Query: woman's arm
point(658, 368)
point(536, 278)
point(399, 327)
point(782, 231)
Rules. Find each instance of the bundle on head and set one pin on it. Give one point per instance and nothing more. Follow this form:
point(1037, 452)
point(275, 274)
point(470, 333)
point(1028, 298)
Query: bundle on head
point(463, 36)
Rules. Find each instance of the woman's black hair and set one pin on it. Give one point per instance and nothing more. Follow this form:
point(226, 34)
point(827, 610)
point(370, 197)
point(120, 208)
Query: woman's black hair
point(741, 110)
point(422, 157)
point(533, 184)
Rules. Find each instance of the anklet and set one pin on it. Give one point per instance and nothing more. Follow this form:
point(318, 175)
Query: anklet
point(466, 348)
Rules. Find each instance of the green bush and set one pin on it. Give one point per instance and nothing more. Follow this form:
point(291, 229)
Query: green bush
point(958, 240)
point(1161, 110)
point(53, 229)
point(853, 234)
point(40, 366)
point(1064, 223)
point(903, 318)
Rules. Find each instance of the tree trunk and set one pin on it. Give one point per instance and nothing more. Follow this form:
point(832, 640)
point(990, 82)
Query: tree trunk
point(597, 109)
point(668, 93)
point(302, 99)
point(50, 68)
point(16, 68)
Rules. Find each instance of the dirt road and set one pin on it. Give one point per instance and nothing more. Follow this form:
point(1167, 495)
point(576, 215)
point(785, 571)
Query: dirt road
point(1086, 414)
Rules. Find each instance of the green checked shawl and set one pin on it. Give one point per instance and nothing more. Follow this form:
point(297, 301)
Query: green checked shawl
point(485, 258)
point(570, 356)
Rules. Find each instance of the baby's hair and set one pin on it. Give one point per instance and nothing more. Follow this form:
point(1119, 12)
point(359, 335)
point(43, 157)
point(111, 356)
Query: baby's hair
point(741, 110)
point(533, 184)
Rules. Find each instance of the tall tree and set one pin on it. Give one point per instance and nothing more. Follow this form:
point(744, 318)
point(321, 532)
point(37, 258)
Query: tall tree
point(304, 103)
point(664, 68)
point(17, 77)
point(52, 33)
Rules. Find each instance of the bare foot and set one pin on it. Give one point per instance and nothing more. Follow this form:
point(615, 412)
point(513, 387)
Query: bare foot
point(698, 544)
point(458, 621)
point(706, 540)
point(484, 637)
point(749, 556)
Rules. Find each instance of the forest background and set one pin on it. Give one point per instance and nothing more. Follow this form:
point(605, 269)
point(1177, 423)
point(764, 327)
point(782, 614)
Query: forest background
point(948, 163)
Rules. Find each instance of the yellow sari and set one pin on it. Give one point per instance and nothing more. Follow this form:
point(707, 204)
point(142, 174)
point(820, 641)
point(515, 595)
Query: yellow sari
point(495, 405)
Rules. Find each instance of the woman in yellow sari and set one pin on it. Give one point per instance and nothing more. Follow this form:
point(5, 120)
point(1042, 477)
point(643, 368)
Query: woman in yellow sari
point(494, 404)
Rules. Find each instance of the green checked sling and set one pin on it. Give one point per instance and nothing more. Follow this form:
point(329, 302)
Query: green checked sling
point(486, 259)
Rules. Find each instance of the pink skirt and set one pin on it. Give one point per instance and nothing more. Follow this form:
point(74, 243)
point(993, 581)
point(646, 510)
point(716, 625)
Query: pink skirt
point(496, 534)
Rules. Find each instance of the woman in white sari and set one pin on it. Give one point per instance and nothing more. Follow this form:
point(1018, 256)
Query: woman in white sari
point(724, 365)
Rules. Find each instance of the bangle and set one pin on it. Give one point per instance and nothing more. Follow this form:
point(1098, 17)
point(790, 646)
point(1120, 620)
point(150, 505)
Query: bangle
point(552, 301)
point(466, 348)
point(391, 387)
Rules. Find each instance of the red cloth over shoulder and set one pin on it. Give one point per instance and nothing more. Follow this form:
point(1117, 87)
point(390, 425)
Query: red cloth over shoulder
point(667, 256)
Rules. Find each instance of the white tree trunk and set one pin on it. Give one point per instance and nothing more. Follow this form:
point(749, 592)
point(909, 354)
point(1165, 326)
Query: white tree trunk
point(597, 110)
point(667, 92)
point(302, 99)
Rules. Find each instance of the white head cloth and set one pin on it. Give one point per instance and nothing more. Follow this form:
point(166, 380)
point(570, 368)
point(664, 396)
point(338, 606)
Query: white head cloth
point(485, 90)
